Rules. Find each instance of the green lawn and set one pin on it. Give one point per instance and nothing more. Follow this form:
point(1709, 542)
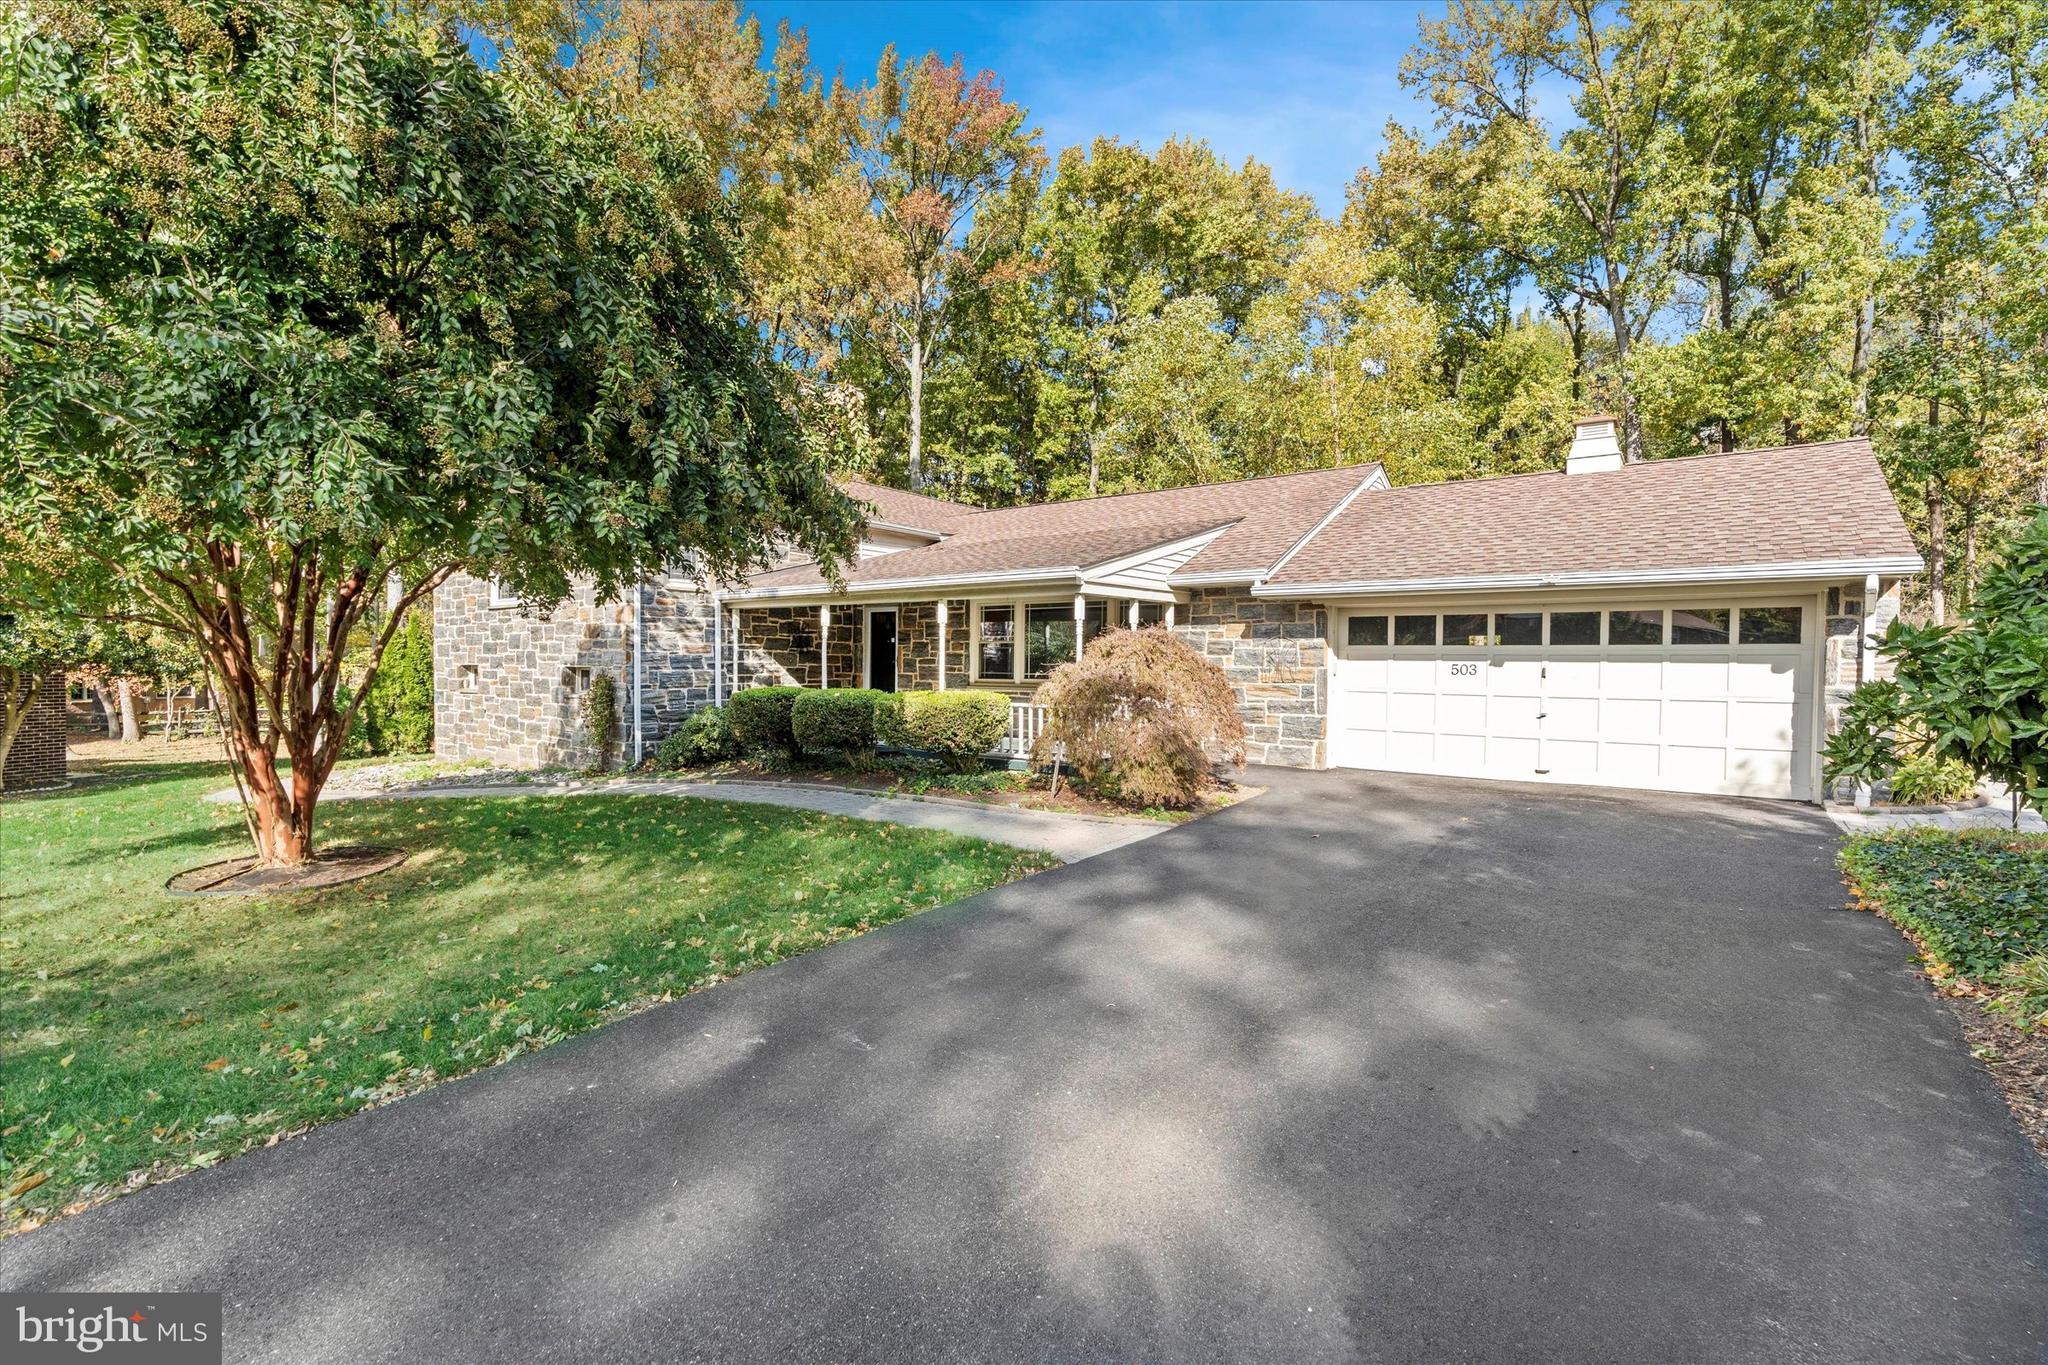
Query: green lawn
point(142, 1034)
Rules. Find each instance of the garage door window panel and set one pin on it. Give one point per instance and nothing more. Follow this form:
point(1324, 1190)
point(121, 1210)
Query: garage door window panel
point(1700, 625)
point(1366, 632)
point(1635, 627)
point(1415, 630)
point(1771, 625)
point(1465, 629)
point(1575, 627)
point(1518, 627)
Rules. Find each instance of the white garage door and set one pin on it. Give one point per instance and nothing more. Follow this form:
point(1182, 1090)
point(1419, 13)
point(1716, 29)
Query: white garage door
point(1703, 699)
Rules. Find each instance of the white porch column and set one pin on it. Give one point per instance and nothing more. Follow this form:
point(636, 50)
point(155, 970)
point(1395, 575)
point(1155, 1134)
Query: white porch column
point(942, 643)
point(824, 645)
point(1169, 616)
point(1134, 613)
point(1080, 621)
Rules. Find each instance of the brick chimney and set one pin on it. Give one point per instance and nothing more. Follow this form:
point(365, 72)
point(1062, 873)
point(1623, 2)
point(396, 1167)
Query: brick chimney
point(1594, 447)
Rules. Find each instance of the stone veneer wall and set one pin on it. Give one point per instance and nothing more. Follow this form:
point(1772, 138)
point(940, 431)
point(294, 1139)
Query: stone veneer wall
point(779, 646)
point(501, 674)
point(1275, 655)
point(1842, 659)
point(917, 645)
point(37, 758)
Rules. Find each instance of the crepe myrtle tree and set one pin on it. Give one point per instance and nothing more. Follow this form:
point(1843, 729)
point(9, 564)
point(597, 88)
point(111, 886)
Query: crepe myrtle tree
point(1976, 692)
point(297, 298)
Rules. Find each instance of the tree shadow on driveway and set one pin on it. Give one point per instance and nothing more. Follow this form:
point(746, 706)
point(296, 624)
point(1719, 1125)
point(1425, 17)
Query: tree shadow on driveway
point(1368, 1066)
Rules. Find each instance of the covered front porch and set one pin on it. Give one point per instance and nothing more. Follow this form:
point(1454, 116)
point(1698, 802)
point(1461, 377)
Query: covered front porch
point(1000, 637)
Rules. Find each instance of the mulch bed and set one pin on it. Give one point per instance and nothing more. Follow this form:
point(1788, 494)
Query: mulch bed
point(245, 876)
point(2017, 1059)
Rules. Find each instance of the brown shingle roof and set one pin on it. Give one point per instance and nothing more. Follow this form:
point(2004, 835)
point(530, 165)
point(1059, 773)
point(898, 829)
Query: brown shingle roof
point(915, 510)
point(1783, 506)
point(1261, 520)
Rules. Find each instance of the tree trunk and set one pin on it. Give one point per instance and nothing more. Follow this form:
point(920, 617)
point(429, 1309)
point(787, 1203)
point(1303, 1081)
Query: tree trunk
point(1631, 423)
point(131, 730)
point(1094, 460)
point(109, 708)
point(1859, 368)
point(916, 412)
point(1937, 554)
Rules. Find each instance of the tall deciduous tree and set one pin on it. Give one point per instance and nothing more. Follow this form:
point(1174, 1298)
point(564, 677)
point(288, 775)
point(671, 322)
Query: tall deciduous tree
point(936, 150)
point(1595, 209)
point(299, 298)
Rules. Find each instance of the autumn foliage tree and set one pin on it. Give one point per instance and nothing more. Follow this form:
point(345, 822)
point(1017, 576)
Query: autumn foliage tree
point(1141, 715)
point(299, 299)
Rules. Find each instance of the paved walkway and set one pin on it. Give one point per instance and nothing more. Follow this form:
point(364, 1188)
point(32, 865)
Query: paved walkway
point(1997, 815)
point(1369, 1068)
point(1068, 837)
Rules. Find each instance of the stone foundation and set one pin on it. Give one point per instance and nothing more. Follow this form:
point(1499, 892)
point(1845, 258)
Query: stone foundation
point(1275, 655)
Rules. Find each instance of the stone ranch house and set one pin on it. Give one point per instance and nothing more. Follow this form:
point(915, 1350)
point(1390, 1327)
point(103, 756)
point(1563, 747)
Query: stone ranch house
point(1685, 625)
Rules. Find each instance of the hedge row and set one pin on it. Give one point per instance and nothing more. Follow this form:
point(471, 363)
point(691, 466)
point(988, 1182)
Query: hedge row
point(842, 722)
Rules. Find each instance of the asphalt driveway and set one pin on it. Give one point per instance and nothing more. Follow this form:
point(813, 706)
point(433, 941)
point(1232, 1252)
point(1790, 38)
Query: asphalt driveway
point(1368, 1067)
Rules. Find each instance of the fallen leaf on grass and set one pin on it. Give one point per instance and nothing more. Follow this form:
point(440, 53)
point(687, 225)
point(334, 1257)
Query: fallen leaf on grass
point(26, 1183)
point(216, 1064)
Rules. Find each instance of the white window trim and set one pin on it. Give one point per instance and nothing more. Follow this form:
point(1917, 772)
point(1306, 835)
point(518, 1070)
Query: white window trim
point(1019, 614)
point(1340, 630)
point(500, 598)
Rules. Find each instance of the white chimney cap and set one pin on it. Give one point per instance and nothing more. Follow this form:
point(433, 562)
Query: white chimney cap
point(1594, 447)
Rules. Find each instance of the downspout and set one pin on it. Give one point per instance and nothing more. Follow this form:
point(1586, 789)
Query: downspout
point(1866, 661)
point(639, 732)
point(717, 650)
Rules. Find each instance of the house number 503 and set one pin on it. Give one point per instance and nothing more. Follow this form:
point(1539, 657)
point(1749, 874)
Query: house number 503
point(1464, 670)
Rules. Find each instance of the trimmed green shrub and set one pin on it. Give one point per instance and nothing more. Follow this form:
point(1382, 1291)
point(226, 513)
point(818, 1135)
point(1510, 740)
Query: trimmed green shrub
point(839, 721)
point(601, 716)
point(704, 737)
point(398, 711)
point(958, 726)
point(760, 718)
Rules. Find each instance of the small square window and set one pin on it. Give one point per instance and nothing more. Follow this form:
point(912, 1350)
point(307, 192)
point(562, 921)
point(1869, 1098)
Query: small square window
point(1414, 630)
point(1467, 628)
point(1575, 627)
point(1635, 627)
point(1771, 625)
point(502, 596)
point(1700, 625)
point(1518, 627)
point(465, 678)
point(1151, 614)
point(577, 680)
point(1365, 632)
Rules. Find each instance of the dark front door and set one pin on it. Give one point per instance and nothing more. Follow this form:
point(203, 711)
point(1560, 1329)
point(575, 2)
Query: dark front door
point(882, 651)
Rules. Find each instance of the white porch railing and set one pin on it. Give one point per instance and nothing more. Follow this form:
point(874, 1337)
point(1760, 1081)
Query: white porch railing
point(1026, 720)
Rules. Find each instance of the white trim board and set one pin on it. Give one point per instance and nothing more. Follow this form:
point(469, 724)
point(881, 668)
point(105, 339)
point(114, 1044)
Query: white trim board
point(1889, 567)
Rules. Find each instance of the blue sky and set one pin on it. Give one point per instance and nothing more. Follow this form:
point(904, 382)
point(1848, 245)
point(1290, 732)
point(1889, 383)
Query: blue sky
point(1304, 87)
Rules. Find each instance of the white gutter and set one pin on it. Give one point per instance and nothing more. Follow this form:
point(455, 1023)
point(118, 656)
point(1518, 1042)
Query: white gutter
point(1597, 578)
point(1220, 578)
point(895, 586)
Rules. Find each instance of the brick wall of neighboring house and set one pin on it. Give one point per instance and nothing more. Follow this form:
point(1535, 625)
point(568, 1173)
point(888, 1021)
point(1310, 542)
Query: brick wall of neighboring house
point(1274, 655)
point(779, 647)
point(37, 758)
